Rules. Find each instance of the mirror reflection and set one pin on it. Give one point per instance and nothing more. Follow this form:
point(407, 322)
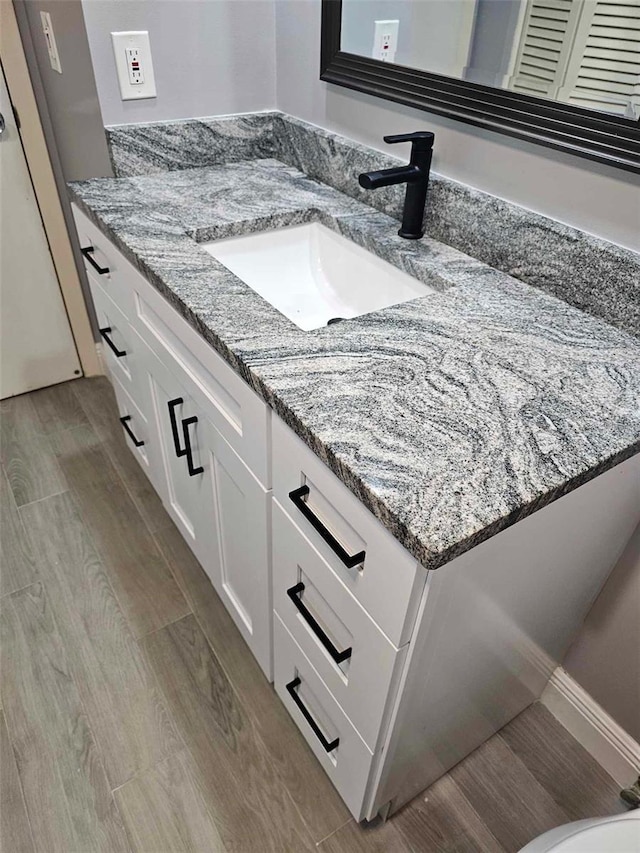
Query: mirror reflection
point(581, 52)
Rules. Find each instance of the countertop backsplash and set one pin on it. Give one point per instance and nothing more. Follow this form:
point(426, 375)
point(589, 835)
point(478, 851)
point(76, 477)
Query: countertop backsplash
point(585, 271)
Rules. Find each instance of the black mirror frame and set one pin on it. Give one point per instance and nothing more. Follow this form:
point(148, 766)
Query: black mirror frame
point(585, 133)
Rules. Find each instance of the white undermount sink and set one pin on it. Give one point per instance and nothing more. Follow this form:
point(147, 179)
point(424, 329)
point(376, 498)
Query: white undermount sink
point(312, 275)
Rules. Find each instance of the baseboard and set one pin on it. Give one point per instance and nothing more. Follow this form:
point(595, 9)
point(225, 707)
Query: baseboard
point(616, 751)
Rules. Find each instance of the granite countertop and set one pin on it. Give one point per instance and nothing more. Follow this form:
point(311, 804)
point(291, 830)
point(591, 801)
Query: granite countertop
point(451, 416)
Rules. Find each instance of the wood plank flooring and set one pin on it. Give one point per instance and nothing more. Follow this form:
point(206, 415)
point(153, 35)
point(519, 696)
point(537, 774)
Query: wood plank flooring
point(15, 832)
point(68, 799)
point(118, 690)
point(134, 717)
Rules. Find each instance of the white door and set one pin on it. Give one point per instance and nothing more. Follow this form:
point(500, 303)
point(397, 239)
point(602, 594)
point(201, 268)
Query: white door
point(36, 344)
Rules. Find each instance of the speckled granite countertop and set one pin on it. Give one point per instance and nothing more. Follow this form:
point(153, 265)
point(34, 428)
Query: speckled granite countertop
point(451, 416)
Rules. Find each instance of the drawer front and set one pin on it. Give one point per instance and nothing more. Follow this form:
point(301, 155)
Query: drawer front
point(139, 434)
point(103, 262)
point(119, 346)
point(240, 415)
point(388, 582)
point(336, 744)
point(355, 660)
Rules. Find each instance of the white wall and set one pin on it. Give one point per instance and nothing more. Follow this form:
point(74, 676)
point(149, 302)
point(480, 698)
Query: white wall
point(590, 196)
point(605, 658)
point(432, 35)
point(67, 102)
point(210, 57)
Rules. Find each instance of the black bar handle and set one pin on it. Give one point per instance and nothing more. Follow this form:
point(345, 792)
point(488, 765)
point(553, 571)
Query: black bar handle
point(328, 746)
point(105, 334)
point(350, 560)
point(171, 405)
point(125, 423)
point(422, 139)
point(294, 594)
point(186, 423)
point(87, 252)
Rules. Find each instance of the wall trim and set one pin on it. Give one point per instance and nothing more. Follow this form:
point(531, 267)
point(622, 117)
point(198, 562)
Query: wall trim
point(615, 750)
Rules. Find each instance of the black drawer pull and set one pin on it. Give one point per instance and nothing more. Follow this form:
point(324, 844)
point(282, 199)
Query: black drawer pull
point(186, 423)
point(87, 252)
point(105, 334)
point(291, 690)
point(171, 405)
point(350, 560)
point(337, 656)
point(125, 423)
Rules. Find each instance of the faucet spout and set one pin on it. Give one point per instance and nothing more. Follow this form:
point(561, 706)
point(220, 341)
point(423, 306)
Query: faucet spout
point(415, 175)
point(389, 177)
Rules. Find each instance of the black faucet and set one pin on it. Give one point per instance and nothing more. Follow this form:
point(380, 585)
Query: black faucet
point(415, 176)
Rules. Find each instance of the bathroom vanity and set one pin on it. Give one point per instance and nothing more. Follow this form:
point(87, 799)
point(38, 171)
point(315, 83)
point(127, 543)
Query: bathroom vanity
point(409, 513)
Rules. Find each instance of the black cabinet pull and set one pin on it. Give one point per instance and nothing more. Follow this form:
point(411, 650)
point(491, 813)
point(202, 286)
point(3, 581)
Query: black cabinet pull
point(171, 405)
point(186, 438)
point(337, 656)
point(328, 746)
point(350, 560)
point(105, 334)
point(186, 423)
point(87, 252)
point(125, 423)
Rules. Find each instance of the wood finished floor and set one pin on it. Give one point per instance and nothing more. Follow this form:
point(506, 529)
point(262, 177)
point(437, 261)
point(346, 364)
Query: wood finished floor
point(135, 719)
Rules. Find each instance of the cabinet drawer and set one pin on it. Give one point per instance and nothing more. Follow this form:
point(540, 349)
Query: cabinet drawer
point(240, 415)
point(336, 744)
point(103, 262)
point(387, 582)
point(353, 657)
point(139, 434)
point(119, 347)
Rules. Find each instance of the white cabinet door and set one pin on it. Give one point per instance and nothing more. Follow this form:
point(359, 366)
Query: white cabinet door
point(185, 489)
point(219, 506)
point(238, 559)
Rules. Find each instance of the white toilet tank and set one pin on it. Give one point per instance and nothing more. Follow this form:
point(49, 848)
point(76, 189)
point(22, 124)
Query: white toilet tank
point(617, 834)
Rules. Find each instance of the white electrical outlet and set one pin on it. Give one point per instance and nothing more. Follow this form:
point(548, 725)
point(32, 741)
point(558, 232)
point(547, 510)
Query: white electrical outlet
point(132, 53)
point(134, 67)
point(50, 38)
point(385, 40)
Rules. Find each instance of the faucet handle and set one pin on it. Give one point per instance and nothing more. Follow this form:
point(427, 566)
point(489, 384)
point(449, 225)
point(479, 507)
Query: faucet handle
point(422, 139)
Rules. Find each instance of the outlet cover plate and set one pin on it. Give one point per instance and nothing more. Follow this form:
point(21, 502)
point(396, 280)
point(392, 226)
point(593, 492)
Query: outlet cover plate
point(139, 41)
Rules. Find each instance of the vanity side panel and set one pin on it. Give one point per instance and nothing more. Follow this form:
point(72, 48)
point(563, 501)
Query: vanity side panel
point(493, 625)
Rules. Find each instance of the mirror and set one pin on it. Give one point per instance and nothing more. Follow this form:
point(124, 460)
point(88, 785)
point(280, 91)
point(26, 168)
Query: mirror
point(561, 73)
point(581, 52)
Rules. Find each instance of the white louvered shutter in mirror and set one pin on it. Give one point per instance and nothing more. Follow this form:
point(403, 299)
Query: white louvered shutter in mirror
point(582, 52)
point(545, 42)
point(604, 66)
